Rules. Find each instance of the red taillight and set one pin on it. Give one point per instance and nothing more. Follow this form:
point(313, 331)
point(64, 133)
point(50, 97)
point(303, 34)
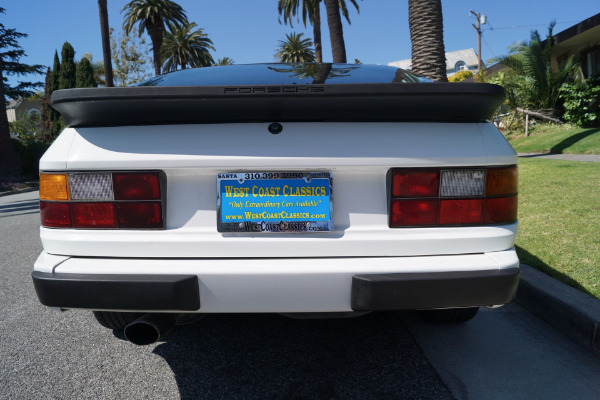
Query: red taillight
point(55, 215)
point(93, 215)
point(415, 183)
point(459, 212)
point(139, 215)
point(91, 200)
point(136, 186)
point(453, 196)
point(500, 210)
point(414, 212)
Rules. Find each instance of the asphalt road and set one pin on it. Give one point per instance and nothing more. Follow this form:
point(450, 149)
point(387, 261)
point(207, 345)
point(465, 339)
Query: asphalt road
point(504, 353)
point(46, 354)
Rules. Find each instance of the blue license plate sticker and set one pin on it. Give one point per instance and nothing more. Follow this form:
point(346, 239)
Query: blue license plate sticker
point(274, 202)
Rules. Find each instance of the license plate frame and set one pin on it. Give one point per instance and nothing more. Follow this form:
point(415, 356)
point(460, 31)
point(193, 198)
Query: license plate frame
point(275, 202)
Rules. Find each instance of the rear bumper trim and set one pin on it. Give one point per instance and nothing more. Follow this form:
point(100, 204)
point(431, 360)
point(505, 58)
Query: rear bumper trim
point(118, 292)
point(433, 290)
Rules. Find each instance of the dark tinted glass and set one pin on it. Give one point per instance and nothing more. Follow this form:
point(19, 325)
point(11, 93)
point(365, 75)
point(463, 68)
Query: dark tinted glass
point(285, 74)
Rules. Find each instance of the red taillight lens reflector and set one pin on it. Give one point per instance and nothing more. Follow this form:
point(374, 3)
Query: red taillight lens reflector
point(136, 186)
point(140, 215)
point(93, 215)
point(500, 210)
point(55, 215)
point(414, 212)
point(458, 212)
point(415, 183)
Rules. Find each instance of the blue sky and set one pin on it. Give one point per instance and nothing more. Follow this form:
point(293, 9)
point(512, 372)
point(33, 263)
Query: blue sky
point(248, 30)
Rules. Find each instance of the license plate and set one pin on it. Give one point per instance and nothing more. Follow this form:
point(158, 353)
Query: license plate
point(274, 202)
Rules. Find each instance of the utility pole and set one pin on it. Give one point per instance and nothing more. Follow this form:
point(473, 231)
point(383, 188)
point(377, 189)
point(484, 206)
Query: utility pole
point(481, 20)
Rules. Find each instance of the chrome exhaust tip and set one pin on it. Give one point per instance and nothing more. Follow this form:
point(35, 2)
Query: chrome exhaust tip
point(149, 328)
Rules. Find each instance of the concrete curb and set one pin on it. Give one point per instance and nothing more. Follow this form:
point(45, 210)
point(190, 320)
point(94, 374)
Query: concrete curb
point(570, 311)
point(31, 189)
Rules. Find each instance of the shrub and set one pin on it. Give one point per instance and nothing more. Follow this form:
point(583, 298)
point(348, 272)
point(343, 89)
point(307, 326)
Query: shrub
point(581, 102)
point(30, 154)
point(461, 76)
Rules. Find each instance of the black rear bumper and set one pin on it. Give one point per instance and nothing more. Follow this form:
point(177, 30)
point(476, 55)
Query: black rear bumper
point(369, 292)
point(118, 292)
point(433, 290)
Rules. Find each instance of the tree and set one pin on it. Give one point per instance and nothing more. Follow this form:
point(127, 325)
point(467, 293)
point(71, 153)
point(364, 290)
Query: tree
point(427, 37)
point(97, 69)
point(311, 10)
point(104, 31)
point(536, 83)
point(336, 33)
point(67, 76)
point(184, 47)
point(129, 55)
point(224, 61)
point(51, 119)
point(55, 72)
point(85, 74)
point(10, 54)
point(151, 16)
point(295, 49)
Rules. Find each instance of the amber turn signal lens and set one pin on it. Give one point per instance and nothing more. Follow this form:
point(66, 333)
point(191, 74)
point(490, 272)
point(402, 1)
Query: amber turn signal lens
point(502, 181)
point(54, 187)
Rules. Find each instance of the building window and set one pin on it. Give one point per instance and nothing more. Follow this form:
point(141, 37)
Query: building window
point(33, 111)
point(460, 66)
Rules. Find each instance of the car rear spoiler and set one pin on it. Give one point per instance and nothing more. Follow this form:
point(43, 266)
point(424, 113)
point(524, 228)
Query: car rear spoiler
point(369, 102)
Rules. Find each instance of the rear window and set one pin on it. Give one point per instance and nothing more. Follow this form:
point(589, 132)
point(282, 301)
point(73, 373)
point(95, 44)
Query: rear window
point(285, 74)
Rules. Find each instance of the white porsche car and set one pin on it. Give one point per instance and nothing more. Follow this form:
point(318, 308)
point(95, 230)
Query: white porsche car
point(277, 188)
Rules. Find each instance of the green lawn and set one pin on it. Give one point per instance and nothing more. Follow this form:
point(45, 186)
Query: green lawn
point(559, 220)
point(557, 139)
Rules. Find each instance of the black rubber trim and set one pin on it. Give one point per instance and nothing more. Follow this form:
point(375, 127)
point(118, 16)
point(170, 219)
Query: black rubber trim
point(368, 102)
point(433, 290)
point(118, 292)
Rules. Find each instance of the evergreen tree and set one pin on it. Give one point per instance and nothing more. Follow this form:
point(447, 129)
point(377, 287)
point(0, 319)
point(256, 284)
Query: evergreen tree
point(52, 123)
point(46, 109)
point(10, 54)
point(85, 74)
point(66, 78)
point(55, 73)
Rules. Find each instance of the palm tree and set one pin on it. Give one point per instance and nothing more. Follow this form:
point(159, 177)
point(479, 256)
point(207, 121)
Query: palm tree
point(534, 80)
point(102, 8)
point(151, 16)
point(427, 37)
point(311, 11)
point(224, 61)
point(295, 49)
point(186, 47)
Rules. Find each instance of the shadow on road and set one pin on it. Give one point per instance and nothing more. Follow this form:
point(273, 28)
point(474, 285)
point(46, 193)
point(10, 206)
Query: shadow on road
point(247, 356)
point(20, 207)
